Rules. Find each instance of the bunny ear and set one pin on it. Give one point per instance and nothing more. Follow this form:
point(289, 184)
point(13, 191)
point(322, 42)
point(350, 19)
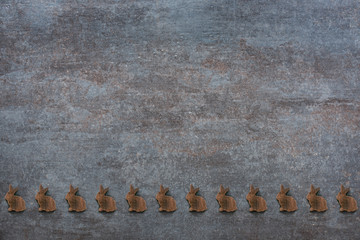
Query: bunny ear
point(131, 188)
point(76, 190)
point(342, 188)
point(71, 188)
point(286, 190)
point(191, 188)
point(256, 190)
point(196, 190)
point(41, 189)
point(163, 190)
point(46, 189)
point(226, 190)
point(251, 187)
point(346, 190)
point(282, 188)
point(136, 190)
point(106, 190)
point(221, 188)
point(317, 190)
point(312, 189)
point(101, 188)
point(13, 190)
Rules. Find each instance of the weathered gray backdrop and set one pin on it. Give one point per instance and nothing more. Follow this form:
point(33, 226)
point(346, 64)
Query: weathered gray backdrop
point(178, 92)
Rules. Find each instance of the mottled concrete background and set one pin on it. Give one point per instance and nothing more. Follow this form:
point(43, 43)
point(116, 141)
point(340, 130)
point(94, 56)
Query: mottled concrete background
point(178, 92)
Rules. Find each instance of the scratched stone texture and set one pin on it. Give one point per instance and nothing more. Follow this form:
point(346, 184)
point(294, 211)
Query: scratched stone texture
point(178, 92)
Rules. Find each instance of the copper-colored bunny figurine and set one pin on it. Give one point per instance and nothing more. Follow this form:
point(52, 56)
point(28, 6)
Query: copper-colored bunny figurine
point(347, 203)
point(167, 203)
point(106, 203)
point(76, 203)
point(257, 204)
point(16, 203)
point(317, 203)
point(136, 203)
point(227, 203)
point(197, 203)
point(46, 203)
point(287, 203)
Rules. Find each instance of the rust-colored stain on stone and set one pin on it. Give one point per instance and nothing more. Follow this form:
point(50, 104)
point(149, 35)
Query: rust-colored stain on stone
point(197, 203)
point(227, 203)
point(106, 203)
point(46, 203)
point(287, 203)
point(167, 203)
point(76, 203)
point(136, 203)
point(16, 203)
point(317, 203)
point(347, 203)
point(257, 204)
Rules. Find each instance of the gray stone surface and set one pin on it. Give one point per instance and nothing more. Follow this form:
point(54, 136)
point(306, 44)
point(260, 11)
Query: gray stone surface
point(178, 92)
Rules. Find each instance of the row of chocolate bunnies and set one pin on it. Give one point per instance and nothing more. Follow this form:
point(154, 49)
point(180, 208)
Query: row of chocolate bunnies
point(168, 203)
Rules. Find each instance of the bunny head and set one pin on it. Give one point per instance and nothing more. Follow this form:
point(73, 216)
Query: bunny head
point(282, 193)
point(222, 192)
point(71, 194)
point(162, 192)
point(253, 191)
point(312, 193)
point(101, 194)
point(10, 194)
point(342, 193)
point(41, 193)
point(192, 192)
point(132, 192)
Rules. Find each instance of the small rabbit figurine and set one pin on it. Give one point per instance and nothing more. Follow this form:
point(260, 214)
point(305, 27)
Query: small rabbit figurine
point(257, 204)
point(317, 203)
point(136, 203)
point(16, 203)
point(347, 203)
point(76, 203)
point(287, 203)
point(197, 203)
point(227, 203)
point(167, 203)
point(106, 203)
point(46, 203)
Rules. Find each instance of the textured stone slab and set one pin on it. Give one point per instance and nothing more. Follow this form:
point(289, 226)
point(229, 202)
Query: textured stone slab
point(179, 92)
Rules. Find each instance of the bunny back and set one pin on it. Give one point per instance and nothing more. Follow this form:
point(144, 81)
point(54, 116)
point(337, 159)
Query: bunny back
point(16, 204)
point(167, 203)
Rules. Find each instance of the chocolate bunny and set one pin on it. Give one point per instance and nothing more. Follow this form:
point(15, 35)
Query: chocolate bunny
point(16, 203)
point(197, 203)
point(257, 204)
point(317, 203)
point(106, 203)
point(76, 203)
point(167, 203)
point(46, 203)
point(136, 203)
point(347, 203)
point(227, 203)
point(287, 203)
